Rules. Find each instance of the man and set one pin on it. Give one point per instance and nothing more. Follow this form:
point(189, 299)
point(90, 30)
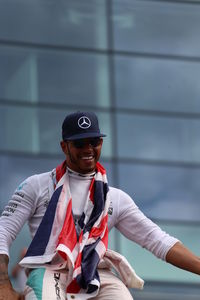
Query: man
point(68, 257)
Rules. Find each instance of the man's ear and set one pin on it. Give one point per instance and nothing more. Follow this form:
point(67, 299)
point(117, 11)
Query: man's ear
point(64, 147)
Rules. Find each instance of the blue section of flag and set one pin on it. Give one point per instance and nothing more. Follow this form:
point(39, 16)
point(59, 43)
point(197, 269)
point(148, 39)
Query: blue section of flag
point(89, 263)
point(100, 192)
point(41, 238)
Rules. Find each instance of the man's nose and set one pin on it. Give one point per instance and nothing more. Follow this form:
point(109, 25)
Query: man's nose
point(87, 145)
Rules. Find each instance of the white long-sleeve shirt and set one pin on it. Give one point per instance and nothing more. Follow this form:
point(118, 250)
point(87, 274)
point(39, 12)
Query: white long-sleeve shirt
point(31, 199)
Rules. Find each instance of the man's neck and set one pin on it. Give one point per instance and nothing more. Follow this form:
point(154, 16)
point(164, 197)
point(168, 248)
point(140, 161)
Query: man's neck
point(91, 174)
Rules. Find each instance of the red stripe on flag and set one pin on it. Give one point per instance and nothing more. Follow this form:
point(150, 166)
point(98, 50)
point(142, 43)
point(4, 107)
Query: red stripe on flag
point(96, 231)
point(68, 233)
point(78, 260)
point(100, 168)
point(104, 239)
point(91, 189)
point(60, 170)
point(73, 287)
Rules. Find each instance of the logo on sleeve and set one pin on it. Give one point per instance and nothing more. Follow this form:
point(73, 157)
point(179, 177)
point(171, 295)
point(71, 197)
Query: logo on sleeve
point(110, 209)
point(20, 187)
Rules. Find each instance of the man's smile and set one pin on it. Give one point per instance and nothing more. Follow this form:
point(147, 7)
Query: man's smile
point(87, 157)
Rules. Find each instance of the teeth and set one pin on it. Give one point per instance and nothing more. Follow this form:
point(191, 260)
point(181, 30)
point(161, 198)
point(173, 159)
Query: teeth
point(87, 157)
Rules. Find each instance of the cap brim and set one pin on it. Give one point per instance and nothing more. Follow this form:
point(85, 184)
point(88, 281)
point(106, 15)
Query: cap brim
point(84, 136)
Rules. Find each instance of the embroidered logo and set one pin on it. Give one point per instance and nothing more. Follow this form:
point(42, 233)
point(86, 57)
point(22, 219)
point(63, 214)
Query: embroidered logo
point(84, 122)
point(110, 209)
point(20, 187)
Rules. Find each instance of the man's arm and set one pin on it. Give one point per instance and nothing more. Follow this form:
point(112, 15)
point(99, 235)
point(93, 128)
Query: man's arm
point(6, 290)
point(183, 258)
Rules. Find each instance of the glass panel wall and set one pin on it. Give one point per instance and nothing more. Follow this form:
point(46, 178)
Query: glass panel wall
point(158, 138)
point(67, 23)
point(161, 27)
point(46, 76)
point(157, 84)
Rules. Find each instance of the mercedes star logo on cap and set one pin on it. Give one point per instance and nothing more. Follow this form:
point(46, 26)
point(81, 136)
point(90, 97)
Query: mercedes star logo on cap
point(84, 122)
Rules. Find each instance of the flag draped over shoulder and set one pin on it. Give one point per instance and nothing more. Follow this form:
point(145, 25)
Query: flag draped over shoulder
point(56, 245)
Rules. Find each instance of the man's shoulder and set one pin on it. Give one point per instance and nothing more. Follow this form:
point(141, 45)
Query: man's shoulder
point(44, 174)
point(40, 175)
point(37, 178)
point(117, 192)
point(113, 189)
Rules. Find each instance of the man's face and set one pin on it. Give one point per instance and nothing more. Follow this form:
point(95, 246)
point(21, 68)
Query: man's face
point(82, 155)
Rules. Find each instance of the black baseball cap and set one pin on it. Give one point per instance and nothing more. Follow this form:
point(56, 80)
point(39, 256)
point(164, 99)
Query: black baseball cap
point(80, 125)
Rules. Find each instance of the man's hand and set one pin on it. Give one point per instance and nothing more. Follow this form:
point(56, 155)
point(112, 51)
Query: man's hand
point(8, 293)
point(6, 290)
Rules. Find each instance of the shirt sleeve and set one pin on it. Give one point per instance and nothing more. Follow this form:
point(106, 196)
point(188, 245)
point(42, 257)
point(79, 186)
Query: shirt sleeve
point(133, 224)
point(18, 210)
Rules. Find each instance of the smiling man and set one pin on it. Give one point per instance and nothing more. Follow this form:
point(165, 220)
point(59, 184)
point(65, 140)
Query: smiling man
point(71, 210)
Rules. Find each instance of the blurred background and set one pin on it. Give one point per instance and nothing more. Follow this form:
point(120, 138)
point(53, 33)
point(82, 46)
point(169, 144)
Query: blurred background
point(137, 65)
